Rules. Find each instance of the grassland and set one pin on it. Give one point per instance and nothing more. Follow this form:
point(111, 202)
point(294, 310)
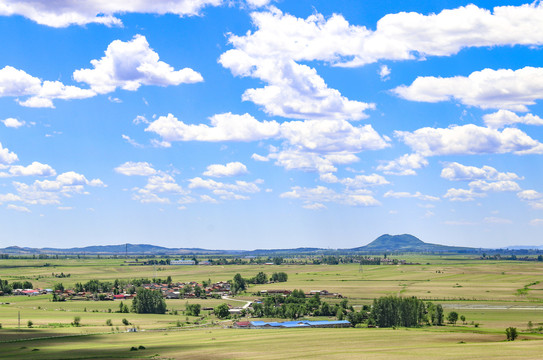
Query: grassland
point(485, 292)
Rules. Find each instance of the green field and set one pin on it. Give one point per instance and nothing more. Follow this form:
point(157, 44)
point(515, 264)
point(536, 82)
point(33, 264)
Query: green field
point(485, 292)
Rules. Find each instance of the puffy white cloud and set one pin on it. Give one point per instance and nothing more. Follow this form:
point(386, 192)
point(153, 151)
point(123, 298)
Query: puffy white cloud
point(503, 118)
point(129, 65)
point(530, 195)
point(497, 186)
point(312, 197)
point(158, 186)
point(496, 89)
point(314, 206)
point(131, 168)
point(400, 36)
point(46, 192)
point(469, 139)
point(13, 123)
point(230, 169)
point(384, 72)
point(62, 13)
point(458, 172)
point(234, 191)
point(326, 136)
point(359, 181)
point(536, 222)
point(225, 127)
point(7, 157)
point(417, 195)
point(462, 195)
point(404, 165)
point(34, 169)
point(18, 83)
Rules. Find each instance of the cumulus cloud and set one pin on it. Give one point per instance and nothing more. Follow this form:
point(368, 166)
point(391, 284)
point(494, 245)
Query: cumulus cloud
point(230, 169)
point(532, 197)
point(502, 118)
point(359, 181)
point(63, 13)
point(47, 192)
point(495, 89)
point(469, 140)
point(224, 127)
point(158, 187)
point(384, 72)
point(129, 65)
point(225, 191)
point(458, 172)
point(417, 195)
point(401, 36)
point(13, 123)
point(131, 168)
point(314, 197)
point(404, 165)
point(463, 195)
point(6, 156)
point(497, 186)
point(34, 169)
point(17, 83)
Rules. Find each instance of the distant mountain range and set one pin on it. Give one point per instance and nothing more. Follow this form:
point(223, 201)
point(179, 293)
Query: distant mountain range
point(384, 243)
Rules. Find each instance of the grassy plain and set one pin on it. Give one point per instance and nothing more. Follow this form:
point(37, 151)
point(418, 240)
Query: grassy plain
point(486, 292)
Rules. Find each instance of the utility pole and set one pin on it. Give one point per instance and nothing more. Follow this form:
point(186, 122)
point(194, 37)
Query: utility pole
point(19, 319)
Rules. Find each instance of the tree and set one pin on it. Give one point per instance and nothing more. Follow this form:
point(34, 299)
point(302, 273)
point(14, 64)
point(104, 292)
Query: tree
point(452, 318)
point(77, 321)
point(261, 278)
point(193, 309)
point(511, 333)
point(29, 323)
point(221, 311)
point(58, 287)
point(238, 284)
point(198, 291)
point(439, 315)
point(463, 318)
point(148, 302)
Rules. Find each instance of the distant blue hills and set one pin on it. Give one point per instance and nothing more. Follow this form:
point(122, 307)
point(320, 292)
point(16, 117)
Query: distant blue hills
point(384, 243)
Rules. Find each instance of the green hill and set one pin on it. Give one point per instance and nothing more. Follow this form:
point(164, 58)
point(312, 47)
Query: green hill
point(405, 243)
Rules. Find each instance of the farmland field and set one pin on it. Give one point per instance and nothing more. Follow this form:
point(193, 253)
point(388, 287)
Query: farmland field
point(492, 295)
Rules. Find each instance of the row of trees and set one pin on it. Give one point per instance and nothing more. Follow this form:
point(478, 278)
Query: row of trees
point(7, 288)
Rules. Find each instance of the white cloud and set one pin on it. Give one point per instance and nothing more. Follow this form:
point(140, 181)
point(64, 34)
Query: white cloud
point(17, 83)
point(129, 65)
point(417, 195)
point(536, 222)
point(497, 186)
point(131, 168)
point(62, 13)
point(384, 72)
point(131, 141)
point(503, 118)
point(401, 36)
point(238, 186)
point(158, 186)
point(225, 127)
point(314, 206)
point(458, 172)
point(496, 220)
point(230, 169)
point(462, 195)
point(34, 169)
point(530, 195)
point(469, 140)
point(18, 208)
point(320, 194)
point(404, 165)
point(496, 89)
point(13, 123)
point(7, 157)
point(46, 192)
point(260, 158)
point(359, 181)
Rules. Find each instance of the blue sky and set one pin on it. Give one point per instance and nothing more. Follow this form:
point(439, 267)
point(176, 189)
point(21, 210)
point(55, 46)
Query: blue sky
point(270, 124)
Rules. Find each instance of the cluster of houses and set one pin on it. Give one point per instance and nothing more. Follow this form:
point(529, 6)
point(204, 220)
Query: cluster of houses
point(31, 292)
point(292, 324)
